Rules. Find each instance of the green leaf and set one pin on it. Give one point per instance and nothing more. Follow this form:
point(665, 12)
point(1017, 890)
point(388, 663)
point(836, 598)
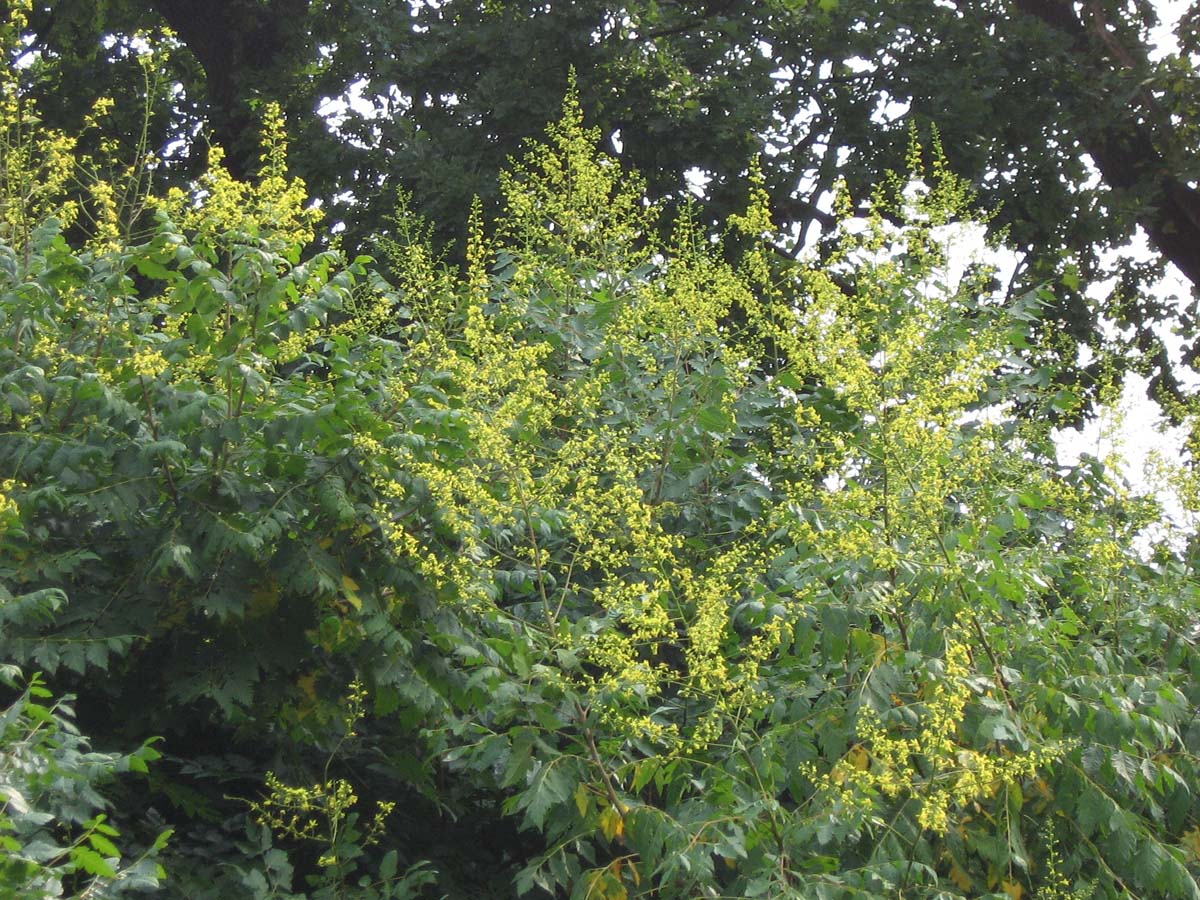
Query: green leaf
point(388, 866)
point(153, 269)
point(92, 862)
point(103, 845)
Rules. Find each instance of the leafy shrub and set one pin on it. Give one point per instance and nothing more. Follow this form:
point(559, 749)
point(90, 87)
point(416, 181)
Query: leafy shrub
point(55, 837)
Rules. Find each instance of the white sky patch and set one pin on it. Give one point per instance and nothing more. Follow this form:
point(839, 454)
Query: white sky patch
point(697, 181)
point(889, 110)
point(335, 110)
point(1162, 36)
point(1133, 435)
point(1134, 439)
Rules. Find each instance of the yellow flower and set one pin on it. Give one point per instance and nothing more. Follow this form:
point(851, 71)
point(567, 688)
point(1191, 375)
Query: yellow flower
point(148, 363)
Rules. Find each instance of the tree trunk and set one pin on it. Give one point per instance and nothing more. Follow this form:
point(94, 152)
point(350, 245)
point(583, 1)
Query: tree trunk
point(237, 42)
point(1126, 150)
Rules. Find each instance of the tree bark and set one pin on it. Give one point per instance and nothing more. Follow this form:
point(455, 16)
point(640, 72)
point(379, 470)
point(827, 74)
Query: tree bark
point(236, 42)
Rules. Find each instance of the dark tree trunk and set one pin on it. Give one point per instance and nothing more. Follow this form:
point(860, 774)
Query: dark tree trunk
point(1126, 149)
point(237, 42)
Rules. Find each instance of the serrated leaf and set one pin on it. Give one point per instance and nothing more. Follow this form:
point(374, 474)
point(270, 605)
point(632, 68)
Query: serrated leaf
point(103, 845)
point(92, 862)
point(101, 825)
point(1147, 863)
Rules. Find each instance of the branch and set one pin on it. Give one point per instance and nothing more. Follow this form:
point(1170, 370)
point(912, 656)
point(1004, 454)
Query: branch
point(714, 10)
point(1125, 151)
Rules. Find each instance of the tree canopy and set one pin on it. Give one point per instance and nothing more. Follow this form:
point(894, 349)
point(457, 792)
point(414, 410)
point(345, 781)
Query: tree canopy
point(1068, 123)
point(611, 554)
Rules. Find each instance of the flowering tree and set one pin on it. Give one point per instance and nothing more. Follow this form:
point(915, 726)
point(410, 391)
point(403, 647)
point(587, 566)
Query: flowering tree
point(655, 566)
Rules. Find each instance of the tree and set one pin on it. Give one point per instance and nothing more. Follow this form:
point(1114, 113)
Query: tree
point(55, 838)
point(631, 562)
point(1032, 98)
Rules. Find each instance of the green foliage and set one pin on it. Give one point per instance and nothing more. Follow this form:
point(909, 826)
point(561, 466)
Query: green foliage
point(327, 815)
point(781, 607)
point(55, 839)
point(1074, 122)
point(658, 567)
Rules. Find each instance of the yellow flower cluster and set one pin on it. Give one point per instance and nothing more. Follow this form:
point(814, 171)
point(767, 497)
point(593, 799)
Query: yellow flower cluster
point(291, 347)
point(45, 175)
point(303, 812)
point(8, 506)
point(193, 367)
point(540, 446)
point(274, 207)
point(39, 163)
point(367, 311)
point(1056, 885)
point(106, 216)
point(932, 764)
point(148, 363)
point(48, 348)
point(566, 198)
point(319, 813)
point(709, 594)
